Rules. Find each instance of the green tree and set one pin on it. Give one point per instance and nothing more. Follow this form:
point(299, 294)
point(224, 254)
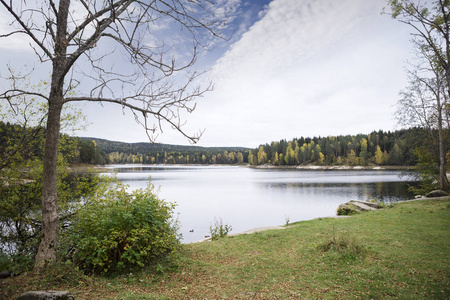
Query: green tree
point(352, 159)
point(428, 170)
point(427, 98)
point(303, 153)
point(395, 157)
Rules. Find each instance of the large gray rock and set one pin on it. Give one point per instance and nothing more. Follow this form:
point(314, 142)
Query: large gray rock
point(47, 295)
point(436, 193)
point(355, 206)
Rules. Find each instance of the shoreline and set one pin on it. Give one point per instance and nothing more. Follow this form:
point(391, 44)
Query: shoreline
point(334, 167)
point(280, 227)
point(109, 169)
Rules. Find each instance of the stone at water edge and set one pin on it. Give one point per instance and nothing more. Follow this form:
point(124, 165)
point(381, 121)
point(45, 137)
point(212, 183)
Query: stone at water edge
point(436, 193)
point(355, 206)
point(46, 295)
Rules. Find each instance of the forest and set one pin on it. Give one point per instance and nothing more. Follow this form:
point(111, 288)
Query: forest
point(396, 148)
point(377, 148)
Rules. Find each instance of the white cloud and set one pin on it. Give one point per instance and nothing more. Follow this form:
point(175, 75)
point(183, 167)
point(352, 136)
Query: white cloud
point(306, 68)
point(13, 42)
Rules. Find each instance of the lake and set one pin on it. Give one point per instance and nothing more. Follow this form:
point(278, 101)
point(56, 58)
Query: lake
point(248, 198)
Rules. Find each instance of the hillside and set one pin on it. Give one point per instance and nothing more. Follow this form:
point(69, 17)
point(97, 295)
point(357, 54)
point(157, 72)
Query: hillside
point(144, 147)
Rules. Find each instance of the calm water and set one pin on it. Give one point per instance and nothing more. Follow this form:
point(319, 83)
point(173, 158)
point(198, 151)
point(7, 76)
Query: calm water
point(248, 198)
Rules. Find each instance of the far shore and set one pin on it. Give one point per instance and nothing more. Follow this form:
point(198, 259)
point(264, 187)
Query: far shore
point(109, 169)
point(335, 167)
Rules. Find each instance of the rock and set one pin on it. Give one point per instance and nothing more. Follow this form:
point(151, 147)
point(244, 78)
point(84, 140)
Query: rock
point(355, 206)
point(436, 193)
point(5, 274)
point(39, 295)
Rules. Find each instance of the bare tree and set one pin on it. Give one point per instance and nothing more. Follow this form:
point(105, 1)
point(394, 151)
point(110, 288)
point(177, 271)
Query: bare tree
point(67, 35)
point(426, 101)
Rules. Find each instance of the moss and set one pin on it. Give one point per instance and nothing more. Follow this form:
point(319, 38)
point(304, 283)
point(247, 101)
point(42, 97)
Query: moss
point(346, 210)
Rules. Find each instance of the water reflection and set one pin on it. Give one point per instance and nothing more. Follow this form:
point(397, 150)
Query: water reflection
point(380, 191)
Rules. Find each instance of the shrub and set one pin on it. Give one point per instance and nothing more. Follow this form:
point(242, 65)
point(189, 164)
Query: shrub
point(116, 230)
point(20, 210)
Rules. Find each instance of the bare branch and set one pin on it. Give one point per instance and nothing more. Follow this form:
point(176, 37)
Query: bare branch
point(26, 28)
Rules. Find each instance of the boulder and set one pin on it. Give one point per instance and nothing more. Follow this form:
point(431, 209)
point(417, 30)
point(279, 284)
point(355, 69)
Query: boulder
point(355, 206)
point(47, 295)
point(5, 274)
point(436, 193)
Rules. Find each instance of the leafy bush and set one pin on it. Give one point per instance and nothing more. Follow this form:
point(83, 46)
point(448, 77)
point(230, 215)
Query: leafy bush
point(428, 172)
point(20, 209)
point(16, 262)
point(115, 230)
point(219, 230)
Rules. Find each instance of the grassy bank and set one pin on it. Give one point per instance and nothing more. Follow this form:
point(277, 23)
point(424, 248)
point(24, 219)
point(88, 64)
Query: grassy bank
point(398, 252)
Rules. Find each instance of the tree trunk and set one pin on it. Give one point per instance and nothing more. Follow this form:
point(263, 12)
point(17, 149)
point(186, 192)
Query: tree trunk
point(50, 217)
point(443, 181)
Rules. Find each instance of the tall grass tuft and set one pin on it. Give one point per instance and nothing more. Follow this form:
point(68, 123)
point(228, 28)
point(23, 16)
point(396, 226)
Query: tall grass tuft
point(343, 246)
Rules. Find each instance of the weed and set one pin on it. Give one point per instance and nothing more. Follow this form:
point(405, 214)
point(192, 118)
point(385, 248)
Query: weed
point(219, 230)
point(287, 220)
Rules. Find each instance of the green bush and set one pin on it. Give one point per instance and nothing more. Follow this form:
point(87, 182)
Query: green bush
point(20, 209)
point(428, 172)
point(116, 230)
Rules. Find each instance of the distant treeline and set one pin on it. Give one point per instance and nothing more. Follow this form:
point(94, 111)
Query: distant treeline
point(147, 153)
point(377, 148)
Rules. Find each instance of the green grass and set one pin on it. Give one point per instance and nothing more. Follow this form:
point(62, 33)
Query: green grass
point(400, 252)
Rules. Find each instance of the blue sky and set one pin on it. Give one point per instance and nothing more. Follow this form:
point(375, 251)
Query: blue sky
point(292, 68)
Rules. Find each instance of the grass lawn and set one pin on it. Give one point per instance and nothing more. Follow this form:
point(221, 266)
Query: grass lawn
point(399, 252)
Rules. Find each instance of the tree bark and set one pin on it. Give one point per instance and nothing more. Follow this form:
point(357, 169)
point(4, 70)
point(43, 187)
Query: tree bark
point(50, 216)
point(443, 181)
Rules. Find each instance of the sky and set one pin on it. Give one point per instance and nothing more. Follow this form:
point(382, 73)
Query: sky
point(292, 68)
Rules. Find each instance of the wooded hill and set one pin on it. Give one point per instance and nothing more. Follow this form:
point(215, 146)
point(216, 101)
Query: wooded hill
point(148, 153)
point(376, 148)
